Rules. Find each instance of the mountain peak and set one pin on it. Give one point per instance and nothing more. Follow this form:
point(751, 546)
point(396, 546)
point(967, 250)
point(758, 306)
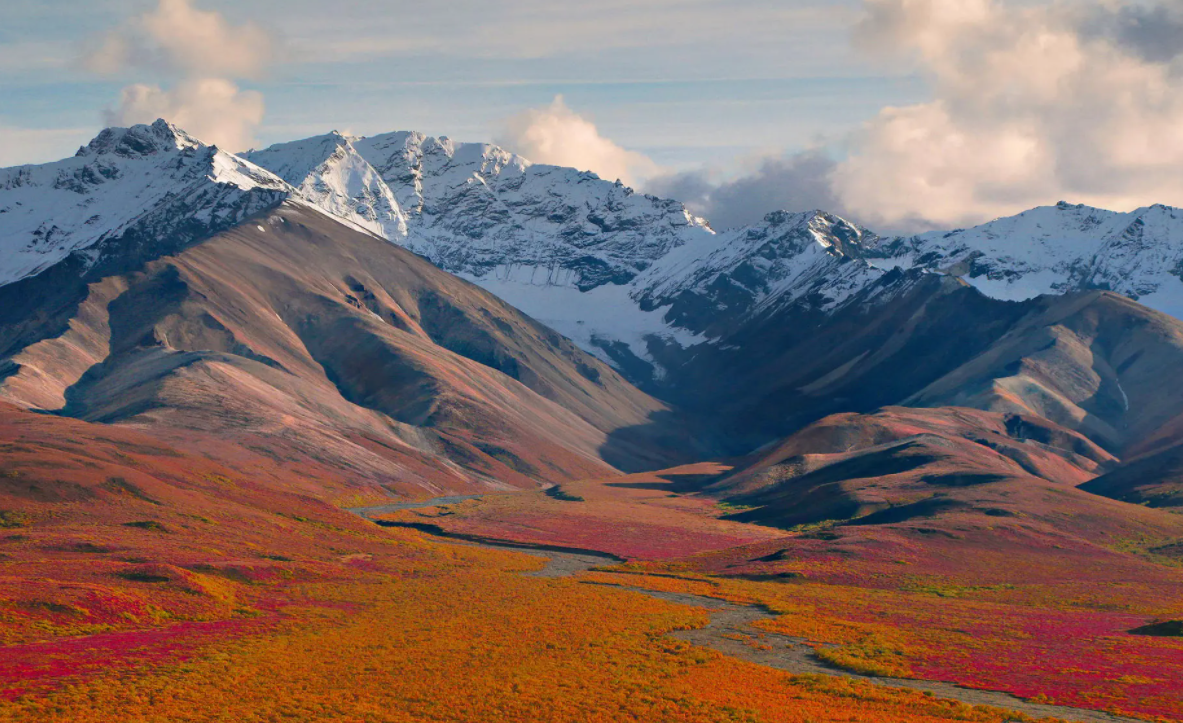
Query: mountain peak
point(328, 172)
point(139, 140)
point(153, 184)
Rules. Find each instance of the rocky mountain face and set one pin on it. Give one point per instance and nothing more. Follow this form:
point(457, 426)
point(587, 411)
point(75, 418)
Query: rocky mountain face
point(635, 280)
point(239, 315)
point(329, 173)
point(612, 269)
point(752, 333)
point(641, 283)
point(616, 271)
point(144, 186)
point(1056, 250)
point(480, 211)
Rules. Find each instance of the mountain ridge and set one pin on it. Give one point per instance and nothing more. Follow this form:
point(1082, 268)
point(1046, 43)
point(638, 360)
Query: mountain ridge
point(646, 287)
point(615, 270)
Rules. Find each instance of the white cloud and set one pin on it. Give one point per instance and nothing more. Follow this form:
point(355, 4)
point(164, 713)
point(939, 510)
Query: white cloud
point(180, 38)
point(1033, 102)
point(202, 53)
point(559, 136)
point(212, 109)
point(1030, 107)
point(795, 182)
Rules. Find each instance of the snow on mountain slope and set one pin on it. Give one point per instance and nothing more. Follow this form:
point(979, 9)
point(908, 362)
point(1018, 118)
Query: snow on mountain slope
point(560, 244)
point(619, 272)
point(810, 258)
point(328, 172)
point(154, 179)
point(592, 259)
point(482, 211)
point(1057, 249)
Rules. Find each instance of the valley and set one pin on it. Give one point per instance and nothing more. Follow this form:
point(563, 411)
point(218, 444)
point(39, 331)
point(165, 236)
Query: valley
point(398, 428)
point(731, 631)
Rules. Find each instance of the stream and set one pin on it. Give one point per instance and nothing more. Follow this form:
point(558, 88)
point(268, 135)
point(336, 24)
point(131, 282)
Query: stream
point(731, 630)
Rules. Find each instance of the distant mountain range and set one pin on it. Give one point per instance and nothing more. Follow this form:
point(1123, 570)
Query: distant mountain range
point(156, 281)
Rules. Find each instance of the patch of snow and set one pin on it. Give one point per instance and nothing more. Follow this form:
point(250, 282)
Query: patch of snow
point(586, 317)
point(1058, 249)
point(329, 173)
point(148, 177)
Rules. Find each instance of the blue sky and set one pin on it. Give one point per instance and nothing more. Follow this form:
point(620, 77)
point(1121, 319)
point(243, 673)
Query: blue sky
point(900, 114)
point(686, 82)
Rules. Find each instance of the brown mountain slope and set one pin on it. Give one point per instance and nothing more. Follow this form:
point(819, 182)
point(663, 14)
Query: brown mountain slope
point(1155, 480)
point(908, 464)
point(314, 341)
point(1093, 362)
point(790, 367)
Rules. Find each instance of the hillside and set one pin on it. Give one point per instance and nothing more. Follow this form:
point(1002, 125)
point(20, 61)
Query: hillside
point(323, 343)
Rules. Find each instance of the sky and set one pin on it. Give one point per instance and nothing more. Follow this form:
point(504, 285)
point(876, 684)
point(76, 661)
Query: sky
point(901, 114)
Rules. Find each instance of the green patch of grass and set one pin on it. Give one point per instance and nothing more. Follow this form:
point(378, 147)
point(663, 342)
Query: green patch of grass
point(729, 507)
point(823, 530)
point(956, 591)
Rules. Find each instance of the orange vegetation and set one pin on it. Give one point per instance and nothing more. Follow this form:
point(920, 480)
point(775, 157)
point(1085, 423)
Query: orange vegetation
point(140, 583)
point(472, 641)
point(1039, 602)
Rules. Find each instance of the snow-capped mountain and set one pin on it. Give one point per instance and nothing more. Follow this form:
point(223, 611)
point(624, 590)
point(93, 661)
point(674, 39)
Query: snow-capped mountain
point(144, 184)
point(608, 267)
point(617, 271)
point(811, 258)
point(1057, 249)
point(701, 291)
point(481, 211)
point(328, 172)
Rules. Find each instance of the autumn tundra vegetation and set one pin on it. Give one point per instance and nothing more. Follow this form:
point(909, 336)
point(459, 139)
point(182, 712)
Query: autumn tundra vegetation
point(141, 582)
point(537, 447)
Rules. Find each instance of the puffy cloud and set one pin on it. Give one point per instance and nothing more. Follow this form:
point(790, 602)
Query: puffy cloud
point(559, 136)
point(1030, 105)
point(1033, 102)
point(202, 53)
point(178, 37)
point(798, 182)
point(214, 110)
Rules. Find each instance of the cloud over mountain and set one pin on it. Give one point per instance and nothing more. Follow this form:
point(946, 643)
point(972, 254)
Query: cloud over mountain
point(203, 54)
point(1031, 104)
point(217, 108)
point(559, 136)
point(793, 182)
